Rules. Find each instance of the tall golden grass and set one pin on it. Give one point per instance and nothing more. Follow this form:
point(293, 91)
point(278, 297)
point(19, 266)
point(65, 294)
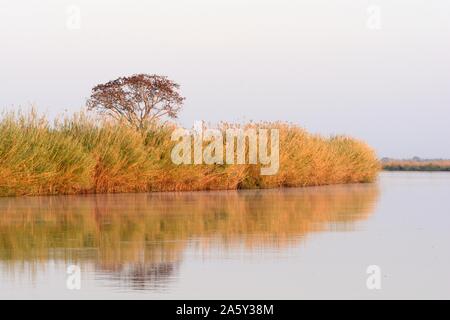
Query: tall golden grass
point(84, 155)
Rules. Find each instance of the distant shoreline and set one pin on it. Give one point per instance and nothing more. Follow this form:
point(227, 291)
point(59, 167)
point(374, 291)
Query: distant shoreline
point(416, 165)
point(414, 169)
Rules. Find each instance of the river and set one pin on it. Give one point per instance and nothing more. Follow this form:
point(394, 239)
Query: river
point(297, 243)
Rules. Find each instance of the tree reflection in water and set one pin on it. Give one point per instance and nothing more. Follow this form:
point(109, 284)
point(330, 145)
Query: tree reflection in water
point(139, 239)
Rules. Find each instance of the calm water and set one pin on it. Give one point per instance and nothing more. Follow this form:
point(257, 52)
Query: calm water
point(273, 244)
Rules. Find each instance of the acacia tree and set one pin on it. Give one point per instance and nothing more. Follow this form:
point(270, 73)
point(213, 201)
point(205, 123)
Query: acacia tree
point(138, 99)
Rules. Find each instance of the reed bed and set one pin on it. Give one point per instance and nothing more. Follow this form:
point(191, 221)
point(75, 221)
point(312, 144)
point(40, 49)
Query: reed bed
point(81, 154)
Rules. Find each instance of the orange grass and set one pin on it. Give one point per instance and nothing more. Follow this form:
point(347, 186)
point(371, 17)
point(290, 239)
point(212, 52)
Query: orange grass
point(84, 155)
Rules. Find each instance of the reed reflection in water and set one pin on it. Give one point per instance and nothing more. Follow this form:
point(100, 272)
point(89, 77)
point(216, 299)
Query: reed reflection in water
point(138, 240)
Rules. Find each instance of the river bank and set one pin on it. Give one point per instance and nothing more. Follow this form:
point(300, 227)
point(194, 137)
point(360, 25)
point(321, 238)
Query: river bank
point(81, 155)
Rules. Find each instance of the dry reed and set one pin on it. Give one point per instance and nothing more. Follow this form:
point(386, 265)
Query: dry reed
point(82, 155)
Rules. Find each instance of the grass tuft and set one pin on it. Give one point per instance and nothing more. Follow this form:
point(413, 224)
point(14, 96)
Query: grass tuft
point(83, 155)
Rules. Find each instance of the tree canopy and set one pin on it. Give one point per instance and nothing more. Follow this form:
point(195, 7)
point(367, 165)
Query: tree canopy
point(138, 99)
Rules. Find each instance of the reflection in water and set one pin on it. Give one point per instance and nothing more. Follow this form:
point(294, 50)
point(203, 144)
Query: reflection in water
point(139, 239)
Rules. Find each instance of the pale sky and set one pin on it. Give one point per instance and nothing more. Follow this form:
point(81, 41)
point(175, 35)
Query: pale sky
point(333, 67)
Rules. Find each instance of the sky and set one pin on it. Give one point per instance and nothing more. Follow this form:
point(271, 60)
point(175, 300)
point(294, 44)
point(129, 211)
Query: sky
point(377, 70)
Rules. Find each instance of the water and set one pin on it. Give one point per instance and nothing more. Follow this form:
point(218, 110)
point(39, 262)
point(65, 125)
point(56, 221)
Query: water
point(260, 244)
